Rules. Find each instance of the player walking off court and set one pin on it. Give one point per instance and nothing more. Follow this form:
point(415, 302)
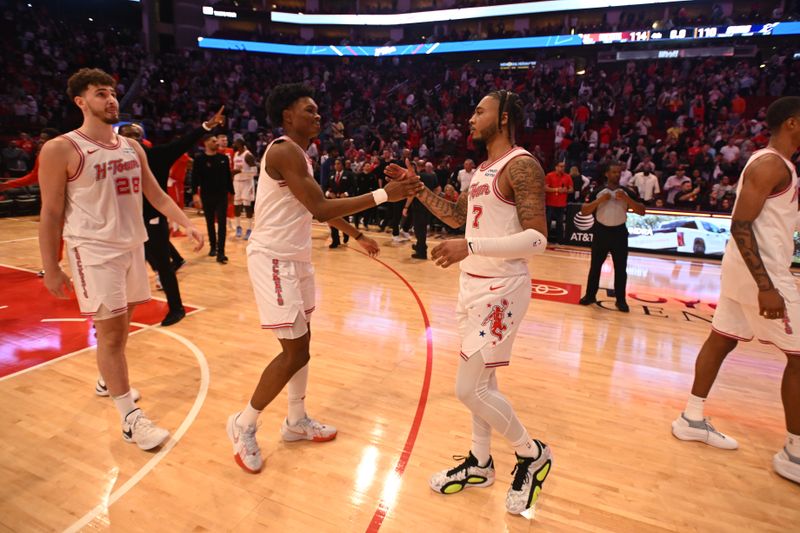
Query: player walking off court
point(758, 295)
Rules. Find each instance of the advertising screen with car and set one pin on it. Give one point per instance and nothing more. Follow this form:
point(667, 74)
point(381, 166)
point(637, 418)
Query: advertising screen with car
point(667, 232)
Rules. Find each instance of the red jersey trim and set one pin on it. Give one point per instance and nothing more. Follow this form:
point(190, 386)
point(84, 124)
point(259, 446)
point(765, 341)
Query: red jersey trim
point(98, 143)
point(80, 154)
point(496, 189)
point(484, 166)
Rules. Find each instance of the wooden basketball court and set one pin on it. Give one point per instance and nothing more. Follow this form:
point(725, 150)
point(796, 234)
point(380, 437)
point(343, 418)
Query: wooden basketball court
point(600, 387)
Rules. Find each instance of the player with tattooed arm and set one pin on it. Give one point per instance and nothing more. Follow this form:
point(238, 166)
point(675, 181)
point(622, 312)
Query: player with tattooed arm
point(504, 212)
point(758, 295)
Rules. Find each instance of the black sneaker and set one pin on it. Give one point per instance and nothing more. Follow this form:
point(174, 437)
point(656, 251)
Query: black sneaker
point(587, 301)
point(467, 474)
point(222, 259)
point(333, 245)
point(173, 317)
point(529, 476)
point(212, 252)
point(177, 265)
point(419, 256)
point(623, 306)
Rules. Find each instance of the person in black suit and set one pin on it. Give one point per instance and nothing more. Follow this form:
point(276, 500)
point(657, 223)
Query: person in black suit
point(340, 185)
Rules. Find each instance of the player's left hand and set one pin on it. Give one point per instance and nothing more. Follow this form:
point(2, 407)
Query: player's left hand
point(450, 252)
point(369, 245)
point(196, 236)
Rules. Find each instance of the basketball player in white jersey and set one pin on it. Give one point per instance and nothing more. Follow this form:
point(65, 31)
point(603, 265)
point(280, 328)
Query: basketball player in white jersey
point(504, 212)
point(279, 262)
point(758, 295)
point(244, 186)
point(93, 180)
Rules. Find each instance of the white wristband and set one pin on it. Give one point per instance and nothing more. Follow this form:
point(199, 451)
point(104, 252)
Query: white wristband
point(380, 196)
point(523, 244)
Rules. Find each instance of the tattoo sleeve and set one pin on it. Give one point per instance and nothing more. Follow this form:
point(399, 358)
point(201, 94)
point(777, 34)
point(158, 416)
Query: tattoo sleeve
point(742, 233)
point(527, 180)
point(454, 214)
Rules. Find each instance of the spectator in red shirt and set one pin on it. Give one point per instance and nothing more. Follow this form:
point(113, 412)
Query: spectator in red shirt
point(606, 134)
point(558, 186)
point(581, 119)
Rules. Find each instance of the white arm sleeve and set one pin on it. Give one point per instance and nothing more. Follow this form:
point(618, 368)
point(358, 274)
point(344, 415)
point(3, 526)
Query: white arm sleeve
point(523, 244)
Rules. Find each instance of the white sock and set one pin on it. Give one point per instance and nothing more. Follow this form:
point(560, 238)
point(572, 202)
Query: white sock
point(694, 408)
point(297, 395)
point(124, 404)
point(527, 448)
point(248, 417)
point(793, 444)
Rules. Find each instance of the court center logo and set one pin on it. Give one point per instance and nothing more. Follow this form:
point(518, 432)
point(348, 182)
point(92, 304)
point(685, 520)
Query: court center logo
point(583, 222)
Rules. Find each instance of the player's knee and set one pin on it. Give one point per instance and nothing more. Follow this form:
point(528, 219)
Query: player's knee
point(298, 359)
point(721, 344)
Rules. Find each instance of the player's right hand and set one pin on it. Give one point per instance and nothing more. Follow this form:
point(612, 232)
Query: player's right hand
point(771, 304)
point(196, 236)
point(396, 172)
point(58, 283)
point(404, 188)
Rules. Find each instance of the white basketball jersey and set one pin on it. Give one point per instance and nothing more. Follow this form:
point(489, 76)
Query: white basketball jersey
point(104, 197)
point(248, 173)
point(282, 227)
point(489, 214)
point(774, 232)
point(238, 159)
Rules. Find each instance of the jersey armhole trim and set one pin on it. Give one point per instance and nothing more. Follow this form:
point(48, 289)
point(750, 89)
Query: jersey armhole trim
point(496, 189)
point(77, 148)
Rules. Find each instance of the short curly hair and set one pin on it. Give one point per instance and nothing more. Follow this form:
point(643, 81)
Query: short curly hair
point(282, 97)
point(80, 81)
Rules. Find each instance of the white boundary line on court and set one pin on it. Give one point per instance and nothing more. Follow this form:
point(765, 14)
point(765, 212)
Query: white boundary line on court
point(20, 240)
point(184, 427)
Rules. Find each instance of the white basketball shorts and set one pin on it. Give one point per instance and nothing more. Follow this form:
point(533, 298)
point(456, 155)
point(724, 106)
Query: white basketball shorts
point(489, 313)
point(743, 322)
point(107, 288)
point(244, 192)
point(285, 294)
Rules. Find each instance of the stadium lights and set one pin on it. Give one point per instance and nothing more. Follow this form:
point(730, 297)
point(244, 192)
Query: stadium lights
point(399, 19)
point(210, 11)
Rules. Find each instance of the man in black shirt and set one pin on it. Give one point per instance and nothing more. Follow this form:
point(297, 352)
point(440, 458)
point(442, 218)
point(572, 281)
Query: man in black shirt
point(211, 173)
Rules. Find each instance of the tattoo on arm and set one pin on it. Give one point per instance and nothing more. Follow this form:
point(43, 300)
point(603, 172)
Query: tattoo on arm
point(453, 214)
point(742, 232)
point(527, 180)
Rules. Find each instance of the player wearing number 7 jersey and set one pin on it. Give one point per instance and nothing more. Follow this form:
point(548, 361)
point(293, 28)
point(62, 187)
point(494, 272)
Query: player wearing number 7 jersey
point(504, 212)
point(92, 180)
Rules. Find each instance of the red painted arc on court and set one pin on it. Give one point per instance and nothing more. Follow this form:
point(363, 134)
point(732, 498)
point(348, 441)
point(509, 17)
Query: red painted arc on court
point(383, 508)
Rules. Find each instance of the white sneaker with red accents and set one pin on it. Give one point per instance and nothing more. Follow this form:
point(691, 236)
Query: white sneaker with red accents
point(246, 451)
point(307, 429)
